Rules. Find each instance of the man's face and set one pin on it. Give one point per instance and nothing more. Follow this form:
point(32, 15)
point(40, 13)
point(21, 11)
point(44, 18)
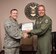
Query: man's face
point(41, 11)
point(14, 14)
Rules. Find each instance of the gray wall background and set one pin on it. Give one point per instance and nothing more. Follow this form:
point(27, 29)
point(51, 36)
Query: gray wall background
point(7, 5)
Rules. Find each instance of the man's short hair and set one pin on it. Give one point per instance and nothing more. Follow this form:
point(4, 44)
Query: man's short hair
point(41, 6)
point(13, 10)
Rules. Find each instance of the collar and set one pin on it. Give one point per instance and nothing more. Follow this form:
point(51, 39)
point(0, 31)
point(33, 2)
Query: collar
point(12, 19)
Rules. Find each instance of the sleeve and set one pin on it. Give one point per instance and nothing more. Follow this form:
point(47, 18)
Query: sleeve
point(43, 28)
point(13, 31)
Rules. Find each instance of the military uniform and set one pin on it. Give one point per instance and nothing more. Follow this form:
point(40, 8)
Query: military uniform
point(13, 35)
point(42, 28)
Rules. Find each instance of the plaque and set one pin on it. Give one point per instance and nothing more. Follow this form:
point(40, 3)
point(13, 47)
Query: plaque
point(31, 11)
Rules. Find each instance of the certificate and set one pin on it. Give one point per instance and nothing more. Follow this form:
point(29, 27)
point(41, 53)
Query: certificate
point(27, 26)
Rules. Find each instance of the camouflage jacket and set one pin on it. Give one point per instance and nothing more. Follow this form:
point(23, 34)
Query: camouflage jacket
point(13, 33)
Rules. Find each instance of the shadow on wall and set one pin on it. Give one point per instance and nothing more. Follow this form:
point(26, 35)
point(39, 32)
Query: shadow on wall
point(2, 35)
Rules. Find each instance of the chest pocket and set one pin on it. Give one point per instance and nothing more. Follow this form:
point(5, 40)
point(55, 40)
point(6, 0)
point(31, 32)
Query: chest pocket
point(15, 27)
point(39, 22)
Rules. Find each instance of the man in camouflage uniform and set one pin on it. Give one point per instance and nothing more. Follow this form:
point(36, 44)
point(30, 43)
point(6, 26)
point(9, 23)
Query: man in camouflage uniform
point(42, 29)
point(13, 33)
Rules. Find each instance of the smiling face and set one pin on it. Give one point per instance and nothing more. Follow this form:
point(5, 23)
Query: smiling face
point(14, 14)
point(41, 10)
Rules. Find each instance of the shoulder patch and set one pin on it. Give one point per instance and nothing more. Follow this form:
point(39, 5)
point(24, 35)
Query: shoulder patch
point(46, 21)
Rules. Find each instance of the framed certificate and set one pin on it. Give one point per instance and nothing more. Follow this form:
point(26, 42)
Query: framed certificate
point(27, 26)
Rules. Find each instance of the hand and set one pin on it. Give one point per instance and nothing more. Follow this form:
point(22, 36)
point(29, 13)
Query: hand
point(25, 34)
